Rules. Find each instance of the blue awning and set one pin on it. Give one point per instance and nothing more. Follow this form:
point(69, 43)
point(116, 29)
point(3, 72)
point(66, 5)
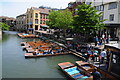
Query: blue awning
point(29, 23)
point(46, 26)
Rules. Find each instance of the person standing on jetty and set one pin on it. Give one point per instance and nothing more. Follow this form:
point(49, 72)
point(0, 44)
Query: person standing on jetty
point(96, 75)
point(103, 38)
point(96, 40)
point(95, 54)
point(103, 55)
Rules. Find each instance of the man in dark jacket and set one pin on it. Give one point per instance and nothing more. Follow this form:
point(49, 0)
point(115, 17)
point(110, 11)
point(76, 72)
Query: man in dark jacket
point(96, 75)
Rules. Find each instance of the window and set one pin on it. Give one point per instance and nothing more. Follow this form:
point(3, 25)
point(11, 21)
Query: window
point(43, 16)
point(88, 3)
point(112, 5)
point(43, 22)
point(31, 15)
point(97, 8)
point(46, 16)
point(40, 21)
point(27, 20)
point(36, 15)
point(22, 22)
point(69, 5)
point(36, 21)
point(100, 8)
point(101, 17)
point(27, 15)
point(112, 17)
point(40, 16)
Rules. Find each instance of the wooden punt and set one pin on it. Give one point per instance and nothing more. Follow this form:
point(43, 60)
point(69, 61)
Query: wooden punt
point(30, 50)
point(24, 47)
point(74, 72)
point(30, 55)
point(85, 66)
point(26, 36)
point(89, 68)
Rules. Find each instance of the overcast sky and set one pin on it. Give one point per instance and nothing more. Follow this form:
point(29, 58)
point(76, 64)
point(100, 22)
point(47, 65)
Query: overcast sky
point(13, 8)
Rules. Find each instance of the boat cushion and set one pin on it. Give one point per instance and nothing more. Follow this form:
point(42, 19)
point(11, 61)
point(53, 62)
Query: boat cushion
point(71, 69)
point(73, 72)
point(77, 76)
point(68, 70)
point(74, 68)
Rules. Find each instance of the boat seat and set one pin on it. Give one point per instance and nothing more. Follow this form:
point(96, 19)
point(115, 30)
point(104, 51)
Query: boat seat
point(77, 76)
point(74, 72)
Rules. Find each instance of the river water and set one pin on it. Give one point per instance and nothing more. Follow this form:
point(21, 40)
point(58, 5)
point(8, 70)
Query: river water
point(14, 64)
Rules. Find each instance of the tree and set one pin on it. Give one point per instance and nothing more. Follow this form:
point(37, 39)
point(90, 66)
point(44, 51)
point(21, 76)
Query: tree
point(87, 19)
point(61, 19)
point(52, 19)
point(4, 26)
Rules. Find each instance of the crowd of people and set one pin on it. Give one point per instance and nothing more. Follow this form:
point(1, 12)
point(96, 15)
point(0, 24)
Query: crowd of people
point(89, 52)
point(96, 55)
point(101, 40)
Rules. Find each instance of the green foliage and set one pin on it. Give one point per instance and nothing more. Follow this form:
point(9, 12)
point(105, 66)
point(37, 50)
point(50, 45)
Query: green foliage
point(4, 26)
point(61, 19)
point(87, 19)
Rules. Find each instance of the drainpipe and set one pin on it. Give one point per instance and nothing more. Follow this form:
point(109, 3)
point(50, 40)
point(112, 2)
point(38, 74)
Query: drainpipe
point(103, 16)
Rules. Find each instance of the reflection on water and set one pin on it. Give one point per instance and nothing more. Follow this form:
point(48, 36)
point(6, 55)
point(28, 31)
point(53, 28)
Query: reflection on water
point(14, 64)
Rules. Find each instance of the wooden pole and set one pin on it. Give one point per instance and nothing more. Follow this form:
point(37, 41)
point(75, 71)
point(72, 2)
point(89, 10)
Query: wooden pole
point(109, 66)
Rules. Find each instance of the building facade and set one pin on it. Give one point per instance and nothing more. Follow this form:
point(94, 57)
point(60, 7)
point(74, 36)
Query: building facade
point(36, 17)
point(8, 20)
point(21, 22)
point(111, 12)
point(72, 6)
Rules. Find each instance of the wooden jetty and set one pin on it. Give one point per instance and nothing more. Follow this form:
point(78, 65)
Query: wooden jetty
point(31, 55)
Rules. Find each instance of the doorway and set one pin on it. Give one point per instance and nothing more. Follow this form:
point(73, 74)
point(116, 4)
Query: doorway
point(36, 27)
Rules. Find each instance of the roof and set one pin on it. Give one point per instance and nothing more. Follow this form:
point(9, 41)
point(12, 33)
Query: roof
point(42, 10)
point(7, 18)
point(21, 15)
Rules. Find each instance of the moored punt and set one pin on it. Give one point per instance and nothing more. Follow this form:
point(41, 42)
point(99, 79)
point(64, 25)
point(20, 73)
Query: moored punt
point(30, 50)
point(89, 68)
point(30, 55)
point(74, 72)
point(85, 66)
point(23, 35)
point(24, 47)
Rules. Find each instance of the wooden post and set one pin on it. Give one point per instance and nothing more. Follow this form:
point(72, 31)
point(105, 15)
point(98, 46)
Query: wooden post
point(109, 66)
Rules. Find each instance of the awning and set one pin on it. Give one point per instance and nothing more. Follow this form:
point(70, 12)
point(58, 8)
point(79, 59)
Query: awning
point(29, 23)
point(69, 38)
point(45, 26)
